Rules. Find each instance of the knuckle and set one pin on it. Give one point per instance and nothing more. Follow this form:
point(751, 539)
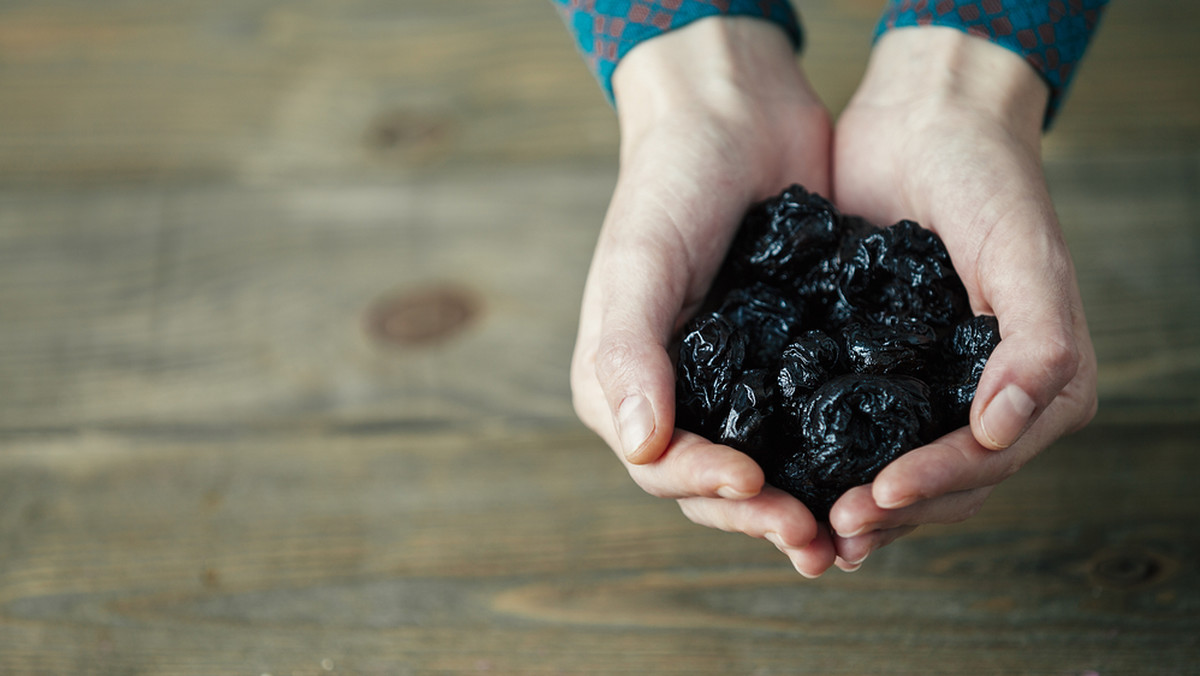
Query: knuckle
point(968, 510)
point(1091, 404)
point(1060, 358)
point(972, 508)
point(689, 509)
point(580, 375)
point(614, 359)
point(647, 484)
point(1011, 465)
point(1090, 401)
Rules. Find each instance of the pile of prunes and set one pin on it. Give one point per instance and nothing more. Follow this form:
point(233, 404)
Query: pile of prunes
point(828, 347)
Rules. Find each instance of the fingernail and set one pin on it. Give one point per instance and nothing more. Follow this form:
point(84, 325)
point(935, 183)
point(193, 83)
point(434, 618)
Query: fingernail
point(635, 422)
point(859, 562)
point(777, 540)
point(893, 501)
point(731, 493)
point(1006, 416)
point(859, 531)
point(851, 566)
point(807, 575)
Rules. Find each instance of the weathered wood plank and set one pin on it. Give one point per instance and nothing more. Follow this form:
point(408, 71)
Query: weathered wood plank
point(270, 90)
point(173, 305)
point(170, 305)
point(453, 549)
point(218, 219)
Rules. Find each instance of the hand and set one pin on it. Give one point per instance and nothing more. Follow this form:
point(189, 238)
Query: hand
point(714, 117)
point(945, 130)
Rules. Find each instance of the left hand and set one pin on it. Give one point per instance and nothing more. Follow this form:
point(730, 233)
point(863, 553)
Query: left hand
point(945, 130)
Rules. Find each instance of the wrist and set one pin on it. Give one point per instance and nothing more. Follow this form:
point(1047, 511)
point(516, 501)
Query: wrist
point(938, 68)
point(716, 65)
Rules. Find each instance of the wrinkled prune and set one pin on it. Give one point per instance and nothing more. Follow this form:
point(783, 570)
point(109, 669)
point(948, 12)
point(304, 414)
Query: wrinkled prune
point(710, 358)
point(896, 347)
point(747, 425)
point(781, 237)
point(904, 270)
point(806, 363)
point(766, 316)
point(964, 354)
point(853, 426)
point(829, 347)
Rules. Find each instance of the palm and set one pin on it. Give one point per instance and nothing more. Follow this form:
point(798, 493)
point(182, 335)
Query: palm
point(980, 186)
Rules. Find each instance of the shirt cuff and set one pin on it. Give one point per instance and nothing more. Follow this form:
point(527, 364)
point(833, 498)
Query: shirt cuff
point(1051, 35)
point(605, 30)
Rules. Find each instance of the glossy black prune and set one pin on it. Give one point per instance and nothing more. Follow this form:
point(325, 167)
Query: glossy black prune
point(904, 270)
point(748, 422)
point(805, 364)
point(710, 359)
point(964, 354)
point(766, 316)
point(781, 237)
point(897, 347)
point(853, 426)
point(829, 347)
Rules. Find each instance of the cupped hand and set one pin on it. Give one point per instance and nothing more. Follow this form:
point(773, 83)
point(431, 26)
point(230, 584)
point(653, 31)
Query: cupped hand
point(713, 117)
point(945, 130)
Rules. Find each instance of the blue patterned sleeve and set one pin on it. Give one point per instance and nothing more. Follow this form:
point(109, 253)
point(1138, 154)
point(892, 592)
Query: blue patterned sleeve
point(605, 30)
point(1051, 35)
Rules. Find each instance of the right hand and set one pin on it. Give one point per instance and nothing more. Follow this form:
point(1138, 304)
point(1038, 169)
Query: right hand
point(714, 117)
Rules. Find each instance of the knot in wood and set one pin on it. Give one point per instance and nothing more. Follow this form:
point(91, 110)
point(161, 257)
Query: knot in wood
point(409, 132)
point(422, 317)
point(1128, 568)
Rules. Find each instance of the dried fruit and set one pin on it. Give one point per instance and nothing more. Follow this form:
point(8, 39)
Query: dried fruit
point(829, 347)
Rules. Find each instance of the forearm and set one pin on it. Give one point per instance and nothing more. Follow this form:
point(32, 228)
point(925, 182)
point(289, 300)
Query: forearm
point(606, 30)
point(1050, 35)
point(730, 66)
point(934, 69)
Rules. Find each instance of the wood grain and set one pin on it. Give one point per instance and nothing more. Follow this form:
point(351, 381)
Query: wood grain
point(218, 457)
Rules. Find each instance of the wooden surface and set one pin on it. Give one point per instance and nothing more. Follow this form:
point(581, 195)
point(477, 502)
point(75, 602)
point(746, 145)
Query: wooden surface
point(287, 298)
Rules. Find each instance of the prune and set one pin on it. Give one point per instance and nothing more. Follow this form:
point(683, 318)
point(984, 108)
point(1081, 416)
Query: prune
point(964, 354)
point(853, 426)
point(766, 316)
point(710, 358)
point(903, 270)
point(805, 364)
point(747, 425)
point(828, 347)
point(780, 237)
point(896, 347)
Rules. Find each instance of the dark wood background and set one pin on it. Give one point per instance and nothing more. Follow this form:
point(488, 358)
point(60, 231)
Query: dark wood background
point(287, 296)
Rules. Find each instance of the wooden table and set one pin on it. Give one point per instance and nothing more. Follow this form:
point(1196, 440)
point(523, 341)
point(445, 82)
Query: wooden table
point(287, 298)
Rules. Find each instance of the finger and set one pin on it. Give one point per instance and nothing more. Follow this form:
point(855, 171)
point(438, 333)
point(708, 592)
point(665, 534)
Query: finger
point(852, 552)
point(813, 559)
point(655, 258)
point(776, 517)
point(1025, 275)
point(955, 462)
point(692, 466)
point(958, 462)
point(856, 514)
point(772, 514)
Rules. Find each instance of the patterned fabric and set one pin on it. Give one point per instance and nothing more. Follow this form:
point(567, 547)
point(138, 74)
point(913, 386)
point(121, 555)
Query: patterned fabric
point(605, 30)
point(1050, 34)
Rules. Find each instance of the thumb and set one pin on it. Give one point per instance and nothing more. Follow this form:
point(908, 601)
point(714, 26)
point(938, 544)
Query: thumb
point(640, 299)
point(1029, 282)
point(658, 251)
point(637, 378)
